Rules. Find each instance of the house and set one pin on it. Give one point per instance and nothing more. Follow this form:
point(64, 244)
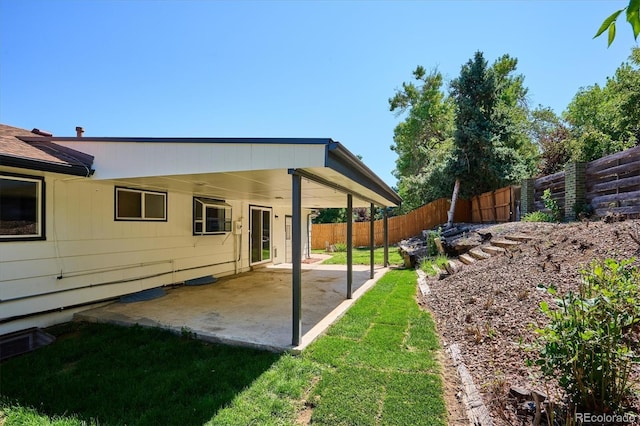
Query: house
point(85, 220)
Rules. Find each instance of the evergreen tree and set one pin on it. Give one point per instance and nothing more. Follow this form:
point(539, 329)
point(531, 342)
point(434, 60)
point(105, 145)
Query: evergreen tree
point(474, 158)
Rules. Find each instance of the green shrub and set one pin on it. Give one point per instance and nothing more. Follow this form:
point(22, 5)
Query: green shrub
point(427, 263)
point(537, 217)
point(552, 205)
point(587, 344)
point(340, 247)
point(432, 248)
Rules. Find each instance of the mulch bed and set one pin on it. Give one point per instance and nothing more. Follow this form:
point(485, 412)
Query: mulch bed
point(490, 308)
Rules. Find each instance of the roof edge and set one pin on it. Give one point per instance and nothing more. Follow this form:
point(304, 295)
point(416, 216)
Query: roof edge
point(292, 141)
point(344, 161)
point(45, 166)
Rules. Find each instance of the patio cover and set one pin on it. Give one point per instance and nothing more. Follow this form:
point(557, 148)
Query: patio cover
point(236, 168)
point(297, 172)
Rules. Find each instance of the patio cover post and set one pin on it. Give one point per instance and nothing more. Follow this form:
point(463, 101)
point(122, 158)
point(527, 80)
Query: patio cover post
point(386, 236)
point(349, 245)
point(296, 257)
point(372, 241)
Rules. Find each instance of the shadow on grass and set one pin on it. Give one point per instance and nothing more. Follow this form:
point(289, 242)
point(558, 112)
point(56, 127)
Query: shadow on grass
point(117, 375)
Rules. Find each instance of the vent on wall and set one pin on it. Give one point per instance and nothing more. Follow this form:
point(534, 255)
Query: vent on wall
point(20, 342)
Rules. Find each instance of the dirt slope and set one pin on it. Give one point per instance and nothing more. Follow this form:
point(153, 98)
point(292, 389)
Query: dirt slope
point(489, 307)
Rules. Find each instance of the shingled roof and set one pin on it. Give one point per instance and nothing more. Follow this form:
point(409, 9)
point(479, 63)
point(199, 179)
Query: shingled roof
point(40, 155)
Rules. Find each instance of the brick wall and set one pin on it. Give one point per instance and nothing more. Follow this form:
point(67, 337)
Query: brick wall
point(574, 187)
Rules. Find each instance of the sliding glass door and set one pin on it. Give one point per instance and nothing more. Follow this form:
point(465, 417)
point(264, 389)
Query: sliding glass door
point(260, 234)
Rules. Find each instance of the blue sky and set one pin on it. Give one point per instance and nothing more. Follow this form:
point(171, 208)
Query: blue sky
point(277, 69)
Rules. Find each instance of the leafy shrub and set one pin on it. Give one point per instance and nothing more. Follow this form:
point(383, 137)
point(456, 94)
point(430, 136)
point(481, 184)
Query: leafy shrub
point(340, 247)
point(432, 248)
point(537, 217)
point(587, 344)
point(552, 205)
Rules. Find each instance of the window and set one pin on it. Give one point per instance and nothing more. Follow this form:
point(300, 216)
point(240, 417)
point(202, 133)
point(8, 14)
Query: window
point(136, 204)
point(21, 208)
point(210, 216)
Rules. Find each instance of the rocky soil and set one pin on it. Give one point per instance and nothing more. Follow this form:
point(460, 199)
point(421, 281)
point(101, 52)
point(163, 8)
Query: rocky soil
point(490, 308)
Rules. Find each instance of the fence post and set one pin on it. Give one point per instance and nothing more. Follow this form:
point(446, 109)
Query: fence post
point(526, 197)
point(574, 188)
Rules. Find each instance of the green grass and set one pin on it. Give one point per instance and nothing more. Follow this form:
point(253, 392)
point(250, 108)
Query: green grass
point(135, 375)
point(384, 372)
point(361, 256)
point(427, 264)
point(375, 366)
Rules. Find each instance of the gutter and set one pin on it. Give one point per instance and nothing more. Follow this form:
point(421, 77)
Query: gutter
point(342, 160)
point(46, 166)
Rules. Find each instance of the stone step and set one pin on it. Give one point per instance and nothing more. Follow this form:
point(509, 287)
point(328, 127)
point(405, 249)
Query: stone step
point(466, 259)
point(479, 254)
point(505, 244)
point(440, 273)
point(493, 250)
point(454, 266)
point(523, 238)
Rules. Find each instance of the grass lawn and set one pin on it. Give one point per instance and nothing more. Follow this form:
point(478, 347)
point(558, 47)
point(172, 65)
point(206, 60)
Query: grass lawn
point(361, 256)
point(375, 366)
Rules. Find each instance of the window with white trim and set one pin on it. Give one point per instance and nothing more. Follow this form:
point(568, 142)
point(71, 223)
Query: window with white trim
point(138, 204)
point(21, 208)
point(211, 216)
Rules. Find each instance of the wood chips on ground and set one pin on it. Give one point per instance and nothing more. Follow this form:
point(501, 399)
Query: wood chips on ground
point(490, 308)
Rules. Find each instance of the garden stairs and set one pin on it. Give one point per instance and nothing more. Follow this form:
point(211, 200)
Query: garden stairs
point(496, 246)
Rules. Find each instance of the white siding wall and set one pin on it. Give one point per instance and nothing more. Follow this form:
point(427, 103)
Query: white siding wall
point(88, 249)
point(278, 233)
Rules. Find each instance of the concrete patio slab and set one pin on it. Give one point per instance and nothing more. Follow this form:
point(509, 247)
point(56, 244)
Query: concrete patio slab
point(250, 309)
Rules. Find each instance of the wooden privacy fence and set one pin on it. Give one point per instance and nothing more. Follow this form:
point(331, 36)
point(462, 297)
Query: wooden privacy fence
point(500, 205)
point(555, 183)
point(609, 184)
point(400, 227)
point(612, 183)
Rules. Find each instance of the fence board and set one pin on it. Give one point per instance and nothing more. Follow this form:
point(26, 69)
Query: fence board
point(496, 206)
point(614, 170)
point(400, 227)
point(631, 155)
point(629, 210)
point(611, 183)
point(542, 181)
point(614, 184)
point(622, 197)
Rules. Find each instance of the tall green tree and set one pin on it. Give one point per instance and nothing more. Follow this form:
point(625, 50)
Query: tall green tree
point(474, 94)
point(473, 160)
point(423, 140)
point(511, 117)
point(606, 119)
point(492, 137)
point(429, 160)
point(552, 136)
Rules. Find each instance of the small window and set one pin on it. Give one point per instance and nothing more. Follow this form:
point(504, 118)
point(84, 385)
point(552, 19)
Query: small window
point(21, 208)
point(135, 204)
point(211, 216)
